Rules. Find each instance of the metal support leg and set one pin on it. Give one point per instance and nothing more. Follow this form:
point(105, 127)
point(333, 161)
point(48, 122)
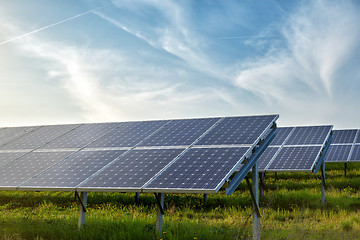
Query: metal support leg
point(137, 195)
point(160, 212)
point(323, 184)
point(205, 197)
point(82, 208)
point(255, 211)
point(345, 168)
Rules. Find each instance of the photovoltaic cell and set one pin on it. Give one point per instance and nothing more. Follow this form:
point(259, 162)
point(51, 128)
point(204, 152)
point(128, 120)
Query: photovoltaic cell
point(343, 136)
point(358, 137)
point(28, 166)
point(295, 159)
point(199, 168)
point(81, 136)
point(133, 169)
point(238, 130)
point(180, 132)
point(73, 170)
point(309, 135)
point(128, 134)
point(355, 156)
point(39, 137)
point(266, 157)
point(281, 134)
point(6, 157)
point(9, 134)
point(338, 153)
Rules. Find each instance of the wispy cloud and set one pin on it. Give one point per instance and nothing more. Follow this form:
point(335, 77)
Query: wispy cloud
point(175, 34)
point(320, 39)
point(111, 85)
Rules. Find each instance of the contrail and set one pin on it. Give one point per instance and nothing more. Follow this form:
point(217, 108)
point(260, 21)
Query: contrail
point(240, 37)
point(51, 25)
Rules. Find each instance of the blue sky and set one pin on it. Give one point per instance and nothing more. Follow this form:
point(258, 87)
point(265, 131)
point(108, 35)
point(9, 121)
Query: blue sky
point(95, 61)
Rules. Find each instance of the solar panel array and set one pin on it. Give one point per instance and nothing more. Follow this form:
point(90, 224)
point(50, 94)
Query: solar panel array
point(345, 146)
point(189, 155)
point(295, 149)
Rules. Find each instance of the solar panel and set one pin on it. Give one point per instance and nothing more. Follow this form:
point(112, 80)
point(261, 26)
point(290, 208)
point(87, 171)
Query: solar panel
point(180, 132)
point(156, 156)
point(280, 135)
point(6, 157)
point(39, 137)
point(81, 136)
point(344, 136)
point(199, 169)
point(355, 156)
point(9, 134)
point(28, 166)
point(266, 157)
point(70, 172)
point(338, 153)
point(128, 134)
point(309, 135)
point(238, 130)
point(132, 170)
point(295, 159)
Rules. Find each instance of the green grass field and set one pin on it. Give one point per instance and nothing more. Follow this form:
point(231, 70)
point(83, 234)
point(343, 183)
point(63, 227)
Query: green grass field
point(290, 209)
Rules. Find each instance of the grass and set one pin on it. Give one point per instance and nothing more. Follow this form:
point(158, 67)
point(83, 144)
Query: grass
point(290, 209)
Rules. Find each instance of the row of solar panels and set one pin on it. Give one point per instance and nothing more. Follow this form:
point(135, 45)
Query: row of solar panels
point(345, 146)
point(190, 155)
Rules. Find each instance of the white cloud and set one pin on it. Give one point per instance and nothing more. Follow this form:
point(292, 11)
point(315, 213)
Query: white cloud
point(298, 79)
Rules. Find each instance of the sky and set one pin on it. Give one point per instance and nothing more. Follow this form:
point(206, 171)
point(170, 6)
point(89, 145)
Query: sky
point(80, 61)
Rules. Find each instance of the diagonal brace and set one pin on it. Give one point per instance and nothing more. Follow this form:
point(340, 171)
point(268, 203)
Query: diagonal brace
point(253, 197)
point(77, 198)
point(158, 201)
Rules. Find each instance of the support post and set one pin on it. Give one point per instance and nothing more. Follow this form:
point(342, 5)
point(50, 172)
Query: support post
point(323, 184)
point(205, 197)
point(255, 205)
point(160, 212)
point(262, 184)
point(137, 195)
point(345, 168)
point(82, 208)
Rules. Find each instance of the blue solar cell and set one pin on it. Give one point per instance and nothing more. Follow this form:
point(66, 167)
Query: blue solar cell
point(73, 170)
point(343, 136)
point(266, 157)
point(128, 134)
point(338, 153)
point(295, 159)
point(309, 135)
point(180, 132)
point(200, 168)
point(133, 169)
point(281, 134)
point(355, 155)
point(238, 130)
point(9, 134)
point(38, 137)
point(28, 166)
point(81, 136)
